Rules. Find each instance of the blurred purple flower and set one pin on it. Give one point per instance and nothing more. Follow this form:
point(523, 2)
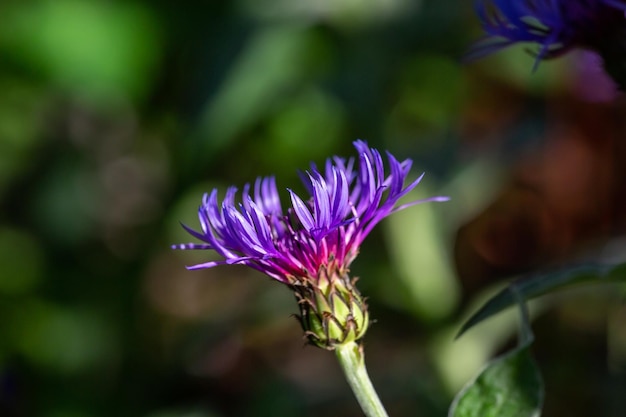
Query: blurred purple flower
point(321, 232)
point(555, 25)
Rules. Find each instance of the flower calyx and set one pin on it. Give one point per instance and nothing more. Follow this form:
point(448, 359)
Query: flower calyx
point(332, 311)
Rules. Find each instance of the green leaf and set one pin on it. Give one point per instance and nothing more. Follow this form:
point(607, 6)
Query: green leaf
point(539, 284)
point(509, 386)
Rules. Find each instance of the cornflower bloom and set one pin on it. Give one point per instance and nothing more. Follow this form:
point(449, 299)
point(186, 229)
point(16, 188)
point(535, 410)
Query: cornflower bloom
point(557, 26)
point(310, 246)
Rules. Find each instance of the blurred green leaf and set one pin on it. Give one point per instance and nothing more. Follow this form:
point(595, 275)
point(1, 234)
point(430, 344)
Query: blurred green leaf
point(68, 341)
point(540, 284)
point(428, 287)
point(90, 46)
point(429, 94)
point(20, 124)
point(275, 60)
point(509, 386)
point(21, 258)
point(343, 13)
point(305, 129)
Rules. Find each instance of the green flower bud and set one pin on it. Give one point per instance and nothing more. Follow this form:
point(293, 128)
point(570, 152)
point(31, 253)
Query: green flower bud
point(332, 311)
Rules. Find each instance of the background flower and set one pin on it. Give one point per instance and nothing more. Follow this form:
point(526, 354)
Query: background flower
point(556, 26)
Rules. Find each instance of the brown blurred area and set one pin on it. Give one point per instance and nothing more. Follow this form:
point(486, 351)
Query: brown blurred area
point(562, 196)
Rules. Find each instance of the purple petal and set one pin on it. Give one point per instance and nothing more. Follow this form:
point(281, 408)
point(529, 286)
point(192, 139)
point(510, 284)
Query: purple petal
point(301, 210)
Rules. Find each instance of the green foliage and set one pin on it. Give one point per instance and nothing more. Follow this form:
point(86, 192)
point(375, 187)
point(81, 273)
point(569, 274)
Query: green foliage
point(91, 47)
point(509, 386)
point(19, 277)
point(543, 283)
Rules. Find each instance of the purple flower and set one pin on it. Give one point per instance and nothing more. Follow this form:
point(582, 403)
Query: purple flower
point(310, 246)
point(321, 232)
point(556, 26)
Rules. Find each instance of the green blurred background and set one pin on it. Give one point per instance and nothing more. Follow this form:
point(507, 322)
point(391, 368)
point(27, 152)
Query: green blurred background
point(115, 117)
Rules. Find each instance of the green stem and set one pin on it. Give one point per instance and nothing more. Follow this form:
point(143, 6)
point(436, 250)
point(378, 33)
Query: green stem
point(350, 357)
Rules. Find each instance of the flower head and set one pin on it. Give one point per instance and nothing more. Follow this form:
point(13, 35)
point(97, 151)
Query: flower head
point(557, 26)
point(311, 245)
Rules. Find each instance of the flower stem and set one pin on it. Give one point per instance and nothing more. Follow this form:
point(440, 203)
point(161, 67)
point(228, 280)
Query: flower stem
point(350, 357)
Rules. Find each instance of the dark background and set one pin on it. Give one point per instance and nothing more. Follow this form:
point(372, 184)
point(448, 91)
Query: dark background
point(116, 116)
